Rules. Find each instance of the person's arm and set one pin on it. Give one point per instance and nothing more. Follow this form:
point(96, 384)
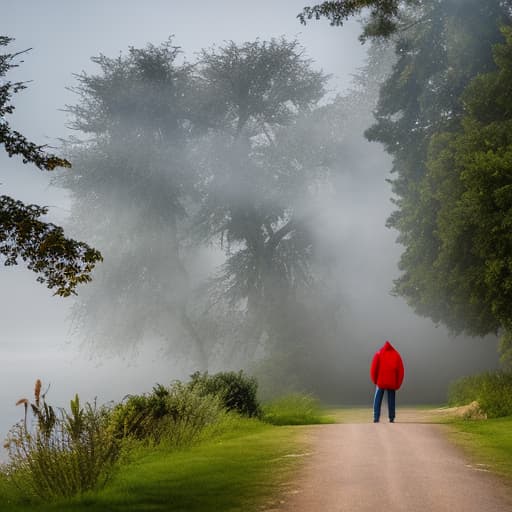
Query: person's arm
point(401, 371)
point(374, 368)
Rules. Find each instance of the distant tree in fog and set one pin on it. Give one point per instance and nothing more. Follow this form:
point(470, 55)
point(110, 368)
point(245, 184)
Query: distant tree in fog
point(130, 188)
point(230, 152)
point(259, 165)
point(61, 263)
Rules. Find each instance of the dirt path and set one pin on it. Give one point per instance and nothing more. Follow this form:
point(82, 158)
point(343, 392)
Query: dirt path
point(407, 466)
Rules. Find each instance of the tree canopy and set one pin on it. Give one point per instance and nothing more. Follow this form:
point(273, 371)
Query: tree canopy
point(61, 263)
point(421, 102)
point(383, 16)
point(443, 116)
point(174, 158)
point(467, 196)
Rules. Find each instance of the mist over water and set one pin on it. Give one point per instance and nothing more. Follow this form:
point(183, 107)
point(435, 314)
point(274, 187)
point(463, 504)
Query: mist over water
point(355, 255)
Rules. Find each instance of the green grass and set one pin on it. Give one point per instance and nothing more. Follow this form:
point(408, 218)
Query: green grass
point(487, 442)
point(238, 467)
point(295, 409)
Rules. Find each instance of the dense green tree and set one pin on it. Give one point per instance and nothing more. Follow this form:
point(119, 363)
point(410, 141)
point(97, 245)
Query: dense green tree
point(449, 273)
point(466, 196)
point(131, 184)
point(421, 99)
point(451, 151)
point(61, 263)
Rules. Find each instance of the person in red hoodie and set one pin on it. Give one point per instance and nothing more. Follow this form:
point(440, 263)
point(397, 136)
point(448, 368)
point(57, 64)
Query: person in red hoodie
point(387, 373)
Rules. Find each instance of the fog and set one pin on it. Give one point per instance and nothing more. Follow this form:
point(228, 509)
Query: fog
point(38, 338)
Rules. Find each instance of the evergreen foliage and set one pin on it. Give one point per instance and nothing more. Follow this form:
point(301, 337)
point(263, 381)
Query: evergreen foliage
point(443, 115)
point(458, 267)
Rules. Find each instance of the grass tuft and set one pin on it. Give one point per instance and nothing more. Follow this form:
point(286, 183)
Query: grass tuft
point(295, 409)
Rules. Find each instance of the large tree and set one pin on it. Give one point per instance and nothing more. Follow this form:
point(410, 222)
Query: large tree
point(449, 46)
point(466, 196)
point(258, 166)
point(441, 46)
point(61, 263)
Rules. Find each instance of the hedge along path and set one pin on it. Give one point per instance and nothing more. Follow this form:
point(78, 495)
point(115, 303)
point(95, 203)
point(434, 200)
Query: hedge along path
point(407, 466)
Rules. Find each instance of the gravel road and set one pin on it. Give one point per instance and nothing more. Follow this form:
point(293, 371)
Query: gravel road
point(406, 466)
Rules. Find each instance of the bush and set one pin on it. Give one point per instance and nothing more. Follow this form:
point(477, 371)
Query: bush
point(236, 390)
point(65, 454)
point(492, 391)
point(174, 415)
point(294, 409)
point(138, 415)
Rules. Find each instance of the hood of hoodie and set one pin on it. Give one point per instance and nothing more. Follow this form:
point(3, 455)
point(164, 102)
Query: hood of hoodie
point(387, 346)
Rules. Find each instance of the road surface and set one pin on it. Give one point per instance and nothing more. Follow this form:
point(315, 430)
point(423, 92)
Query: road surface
point(406, 466)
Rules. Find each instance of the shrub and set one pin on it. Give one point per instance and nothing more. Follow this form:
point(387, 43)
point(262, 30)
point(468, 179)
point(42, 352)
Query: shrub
point(174, 415)
point(294, 409)
point(492, 391)
point(236, 390)
point(66, 453)
point(137, 416)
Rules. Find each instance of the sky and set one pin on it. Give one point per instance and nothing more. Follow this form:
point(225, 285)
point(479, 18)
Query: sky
point(35, 337)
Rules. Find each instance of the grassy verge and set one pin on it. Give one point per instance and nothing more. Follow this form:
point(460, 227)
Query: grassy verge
point(296, 409)
point(486, 442)
point(238, 467)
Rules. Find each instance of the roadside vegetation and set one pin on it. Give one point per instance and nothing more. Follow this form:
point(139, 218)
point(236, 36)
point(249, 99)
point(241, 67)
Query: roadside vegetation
point(488, 443)
point(491, 390)
point(187, 445)
point(295, 409)
point(483, 431)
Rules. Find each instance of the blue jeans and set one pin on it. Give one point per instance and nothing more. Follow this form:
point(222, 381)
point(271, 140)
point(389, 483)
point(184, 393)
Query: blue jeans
point(377, 402)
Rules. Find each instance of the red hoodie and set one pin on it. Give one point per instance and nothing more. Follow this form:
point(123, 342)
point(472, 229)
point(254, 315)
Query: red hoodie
point(387, 370)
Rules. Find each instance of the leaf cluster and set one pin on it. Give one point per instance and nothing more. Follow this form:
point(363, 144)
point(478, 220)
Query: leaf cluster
point(62, 263)
point(382, 18)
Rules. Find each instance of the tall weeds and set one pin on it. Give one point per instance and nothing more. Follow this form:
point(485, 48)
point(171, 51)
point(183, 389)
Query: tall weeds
point(65, 453)
point(174, 416)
